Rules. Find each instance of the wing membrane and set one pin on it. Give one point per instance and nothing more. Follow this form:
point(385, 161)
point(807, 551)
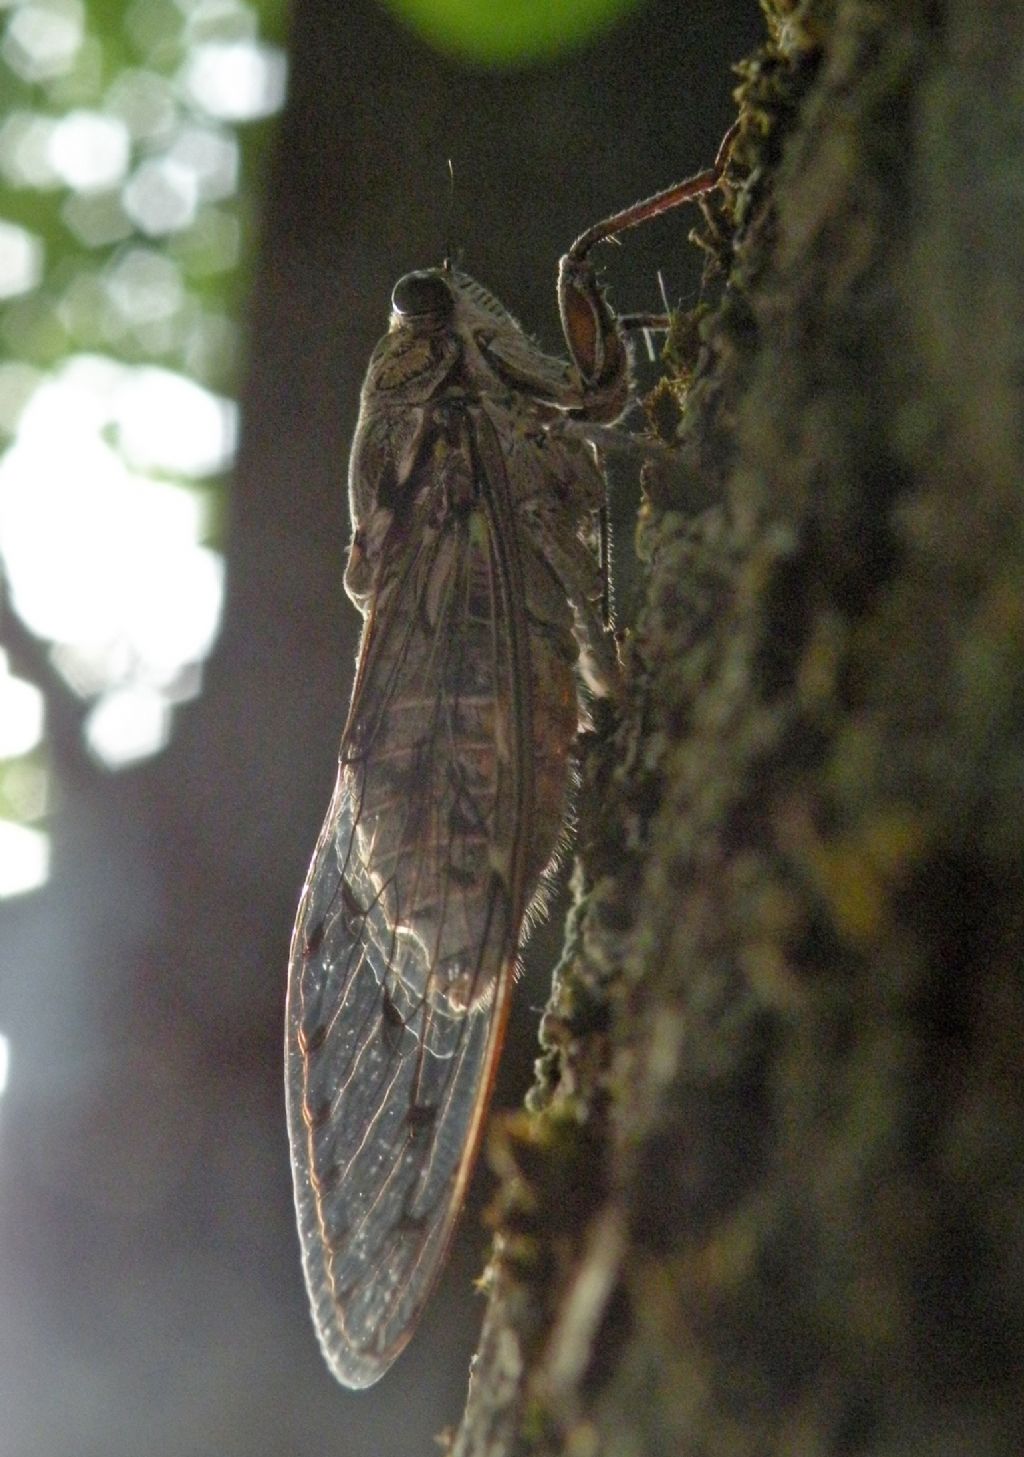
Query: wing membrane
point(405, 942)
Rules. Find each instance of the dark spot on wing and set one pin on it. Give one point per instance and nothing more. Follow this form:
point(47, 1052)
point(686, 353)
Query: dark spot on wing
point(312, 1040)
point(328, 1182)
point(314, 940)
point(392, 1016)
point(421, 1116)
point(410, 1224)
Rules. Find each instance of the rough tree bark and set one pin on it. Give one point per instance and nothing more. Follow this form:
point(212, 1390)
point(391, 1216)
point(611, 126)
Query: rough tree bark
point(767, 1194)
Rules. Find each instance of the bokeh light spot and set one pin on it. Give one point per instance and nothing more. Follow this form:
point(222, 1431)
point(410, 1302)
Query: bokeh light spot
point(25, 161)
point(90, 151)
point(106, 562)
point(161, 197)
point(212, 158)
point(236, 80)
point(24, 858)
point(24, 788)
point(146, 103)
point(18, 382)
point(166, 422)
point(127, 725)
point(43, 37)
point(97, 219)
point(145, 286)
point(21, 260)
point(21, 713)
point(511, 32)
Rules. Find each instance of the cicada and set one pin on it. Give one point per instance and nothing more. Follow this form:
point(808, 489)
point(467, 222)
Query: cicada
point(475, 495)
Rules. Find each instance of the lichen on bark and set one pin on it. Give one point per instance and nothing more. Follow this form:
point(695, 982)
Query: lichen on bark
point(767, 1197)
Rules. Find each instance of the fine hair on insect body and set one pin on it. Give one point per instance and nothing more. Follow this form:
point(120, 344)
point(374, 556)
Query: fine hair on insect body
point(477, 497)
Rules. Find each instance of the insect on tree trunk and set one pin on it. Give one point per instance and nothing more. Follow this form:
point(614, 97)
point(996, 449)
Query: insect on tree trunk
point(768, 1194)
point(477, 505)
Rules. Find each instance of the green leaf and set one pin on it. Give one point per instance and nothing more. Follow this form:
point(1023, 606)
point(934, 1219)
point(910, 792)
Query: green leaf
point(510, 31)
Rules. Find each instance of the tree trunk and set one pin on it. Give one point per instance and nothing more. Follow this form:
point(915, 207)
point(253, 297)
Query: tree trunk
point(767, 1197)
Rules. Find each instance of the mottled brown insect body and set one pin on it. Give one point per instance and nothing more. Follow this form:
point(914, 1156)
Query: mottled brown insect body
point(475, 497)
point(460, 744)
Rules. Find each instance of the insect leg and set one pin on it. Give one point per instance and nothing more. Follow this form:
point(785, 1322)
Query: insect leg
point(651, 207)
point(592, 331)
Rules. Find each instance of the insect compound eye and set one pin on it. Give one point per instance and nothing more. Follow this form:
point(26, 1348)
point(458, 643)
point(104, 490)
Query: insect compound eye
point(422, 295)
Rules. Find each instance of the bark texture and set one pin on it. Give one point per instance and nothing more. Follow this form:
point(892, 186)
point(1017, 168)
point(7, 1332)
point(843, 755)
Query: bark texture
point(767, 1197)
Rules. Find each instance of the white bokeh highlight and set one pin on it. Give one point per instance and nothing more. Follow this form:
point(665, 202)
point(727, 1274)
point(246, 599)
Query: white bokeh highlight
point(128, 724)
point(21, 260)
point(43, 37)
point(166, 422)
point(161, 197)
point(21, 713)
point(239, 80)
point(24, 859)
point(89, 151)
point(102, 557)
point(25, 139)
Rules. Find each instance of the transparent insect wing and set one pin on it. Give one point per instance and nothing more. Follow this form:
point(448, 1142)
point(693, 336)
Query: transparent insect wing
point(404, 948)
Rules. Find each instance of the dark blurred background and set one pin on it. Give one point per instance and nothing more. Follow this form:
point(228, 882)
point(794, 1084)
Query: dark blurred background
point(151, 1300)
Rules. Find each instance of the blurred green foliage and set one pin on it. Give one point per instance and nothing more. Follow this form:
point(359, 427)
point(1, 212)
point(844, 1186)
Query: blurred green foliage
point(132, 135)
point(126, 62)
point(507, 32)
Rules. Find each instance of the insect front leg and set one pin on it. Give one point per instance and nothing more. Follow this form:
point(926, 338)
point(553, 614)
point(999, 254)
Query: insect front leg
point(593, 331)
